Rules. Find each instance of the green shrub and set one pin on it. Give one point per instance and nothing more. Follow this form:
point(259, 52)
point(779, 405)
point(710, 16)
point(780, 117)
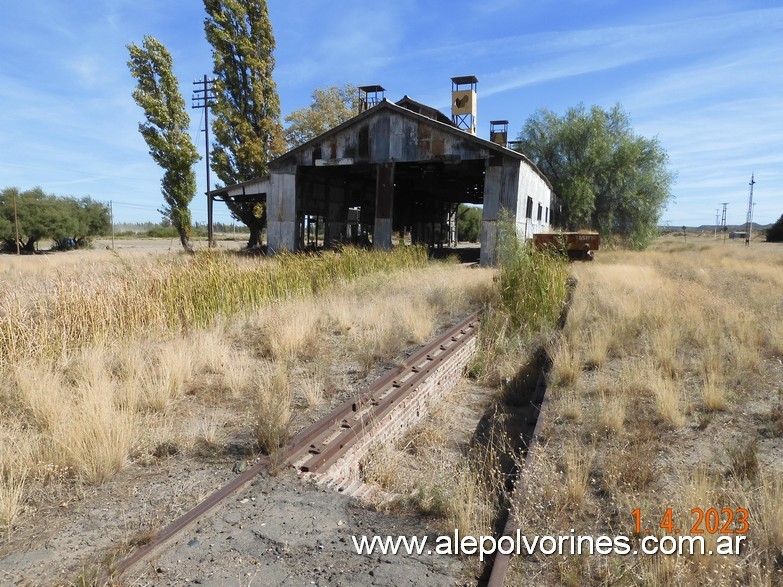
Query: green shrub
point(162, 232)
point(775, 232)
point(532, 283)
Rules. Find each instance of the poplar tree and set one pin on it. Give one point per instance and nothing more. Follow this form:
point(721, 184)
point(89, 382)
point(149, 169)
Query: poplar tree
point(246, 125)
point(166, 130)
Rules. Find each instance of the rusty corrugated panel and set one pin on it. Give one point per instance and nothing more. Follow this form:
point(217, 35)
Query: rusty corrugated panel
point(424, 133)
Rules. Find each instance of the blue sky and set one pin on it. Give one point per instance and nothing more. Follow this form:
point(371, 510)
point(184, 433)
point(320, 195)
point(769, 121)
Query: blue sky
point(704, 77)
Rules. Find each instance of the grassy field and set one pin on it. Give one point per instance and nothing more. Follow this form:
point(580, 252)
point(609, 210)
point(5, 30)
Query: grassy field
point(114, 360)
point(666, 399)
point(665, 394)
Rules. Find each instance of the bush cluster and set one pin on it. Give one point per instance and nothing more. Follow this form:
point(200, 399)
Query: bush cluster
point(775, 232)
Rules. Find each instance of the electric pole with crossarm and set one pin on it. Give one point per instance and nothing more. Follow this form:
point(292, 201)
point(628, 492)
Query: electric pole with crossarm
point(204, 97)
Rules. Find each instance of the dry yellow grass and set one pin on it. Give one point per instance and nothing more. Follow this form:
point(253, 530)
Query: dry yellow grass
point(272, 409)
point(578, 462)
point(17, 450)
point(680, 350)
point(611, 412)
point(141, 386)
point(566, 364)
point(290, 331)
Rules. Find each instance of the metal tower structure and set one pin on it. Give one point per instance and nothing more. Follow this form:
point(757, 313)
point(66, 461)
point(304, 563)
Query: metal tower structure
point(749, 229)
point(370, 96)
point(498, 132)
point(716, 223)
point(463, 102)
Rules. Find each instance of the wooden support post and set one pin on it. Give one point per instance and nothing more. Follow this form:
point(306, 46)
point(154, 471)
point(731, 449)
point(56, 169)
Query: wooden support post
point(384, 205)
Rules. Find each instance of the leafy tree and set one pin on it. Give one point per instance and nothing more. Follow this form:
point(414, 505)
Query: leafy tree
point(246, 126)
point(36, 214)
point(81, 220)
point(468, 223)
point(166, 130)
point(330, 107)
point(775, 232)
point(7, 232)
point(46, 216)
point(607, 177)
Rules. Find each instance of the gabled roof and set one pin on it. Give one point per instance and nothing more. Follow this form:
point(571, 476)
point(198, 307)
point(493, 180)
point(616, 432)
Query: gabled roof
point(428, 111)
point(442, 126)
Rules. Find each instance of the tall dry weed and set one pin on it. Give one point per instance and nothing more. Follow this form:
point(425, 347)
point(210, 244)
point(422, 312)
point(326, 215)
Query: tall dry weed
point(272, 410)
point(578, 463)
point(566, 364)
point(18, 450)
point(668, 399)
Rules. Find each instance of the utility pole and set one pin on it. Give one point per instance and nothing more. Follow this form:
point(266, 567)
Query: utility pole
point(749, 230)
point(204, 97)
point(111, 216)
point(723, 226)
point(716, 224)
point(16, 225)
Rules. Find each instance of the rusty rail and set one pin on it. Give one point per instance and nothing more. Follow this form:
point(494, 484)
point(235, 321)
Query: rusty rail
point(344, 426)
point(331, 439)
point(501, 563)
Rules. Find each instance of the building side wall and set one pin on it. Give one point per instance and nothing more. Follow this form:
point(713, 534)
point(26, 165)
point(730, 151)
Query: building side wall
point(281, 212)
point(531, 185)
point(508, 187)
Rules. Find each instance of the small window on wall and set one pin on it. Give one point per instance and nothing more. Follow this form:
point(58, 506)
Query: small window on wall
point(540, 212)
point(529, 212)
point(546, 218)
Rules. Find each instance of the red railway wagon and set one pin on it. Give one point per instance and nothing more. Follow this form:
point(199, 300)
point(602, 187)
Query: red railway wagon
point(579, 245)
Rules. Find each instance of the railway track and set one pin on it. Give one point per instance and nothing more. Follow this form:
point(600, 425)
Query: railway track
point(539, 406)
point(347, 430)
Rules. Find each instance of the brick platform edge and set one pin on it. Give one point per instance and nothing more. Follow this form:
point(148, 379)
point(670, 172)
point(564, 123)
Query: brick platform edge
point(345, 475)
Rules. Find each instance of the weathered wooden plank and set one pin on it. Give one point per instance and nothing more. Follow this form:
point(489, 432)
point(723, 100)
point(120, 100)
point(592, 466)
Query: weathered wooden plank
point(395, 137)
point(281, 212)
point(379, 138)
point(493, 186)
point(489, 242)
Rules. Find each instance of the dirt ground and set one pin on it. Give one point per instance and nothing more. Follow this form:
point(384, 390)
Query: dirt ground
point(280, 531)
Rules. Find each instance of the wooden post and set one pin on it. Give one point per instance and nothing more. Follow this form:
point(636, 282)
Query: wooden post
point(384, 205)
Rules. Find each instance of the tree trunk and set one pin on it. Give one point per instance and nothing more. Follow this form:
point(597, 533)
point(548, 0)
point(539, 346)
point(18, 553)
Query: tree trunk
point(255, 236)
point(185, 240)
point(256, 225)
point(252, 215)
